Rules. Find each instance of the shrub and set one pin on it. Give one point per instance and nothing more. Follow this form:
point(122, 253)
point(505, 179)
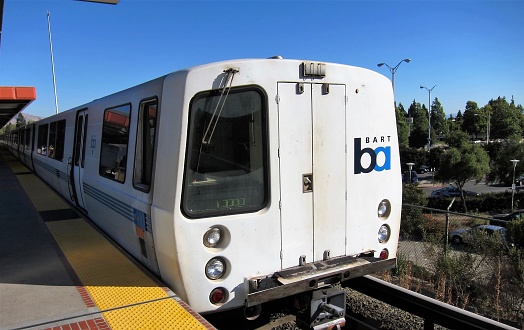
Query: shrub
point(515, 232)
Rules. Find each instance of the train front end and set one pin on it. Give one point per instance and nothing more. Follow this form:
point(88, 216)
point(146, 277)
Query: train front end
point(288, 182)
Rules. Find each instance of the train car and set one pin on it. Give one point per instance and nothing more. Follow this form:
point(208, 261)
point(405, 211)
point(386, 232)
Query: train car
point(238, 182)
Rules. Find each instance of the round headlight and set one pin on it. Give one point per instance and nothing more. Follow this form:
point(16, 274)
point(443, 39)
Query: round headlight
point(383, 234)
point(384, 208)
point(215, 268)
point(212, 237)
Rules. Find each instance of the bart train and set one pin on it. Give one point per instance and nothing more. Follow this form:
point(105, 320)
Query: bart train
point(236, 182)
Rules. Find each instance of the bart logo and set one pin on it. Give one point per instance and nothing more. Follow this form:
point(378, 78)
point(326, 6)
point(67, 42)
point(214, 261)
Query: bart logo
point(373, 155)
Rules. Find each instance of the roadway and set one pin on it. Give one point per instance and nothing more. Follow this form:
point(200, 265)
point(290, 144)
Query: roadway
point(427, 184)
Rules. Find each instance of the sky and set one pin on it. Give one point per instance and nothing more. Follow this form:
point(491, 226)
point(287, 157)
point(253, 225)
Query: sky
point(470, 49)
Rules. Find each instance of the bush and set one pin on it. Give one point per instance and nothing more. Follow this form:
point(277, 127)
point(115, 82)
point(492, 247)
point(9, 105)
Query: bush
point(412, 218)
point(515, 232)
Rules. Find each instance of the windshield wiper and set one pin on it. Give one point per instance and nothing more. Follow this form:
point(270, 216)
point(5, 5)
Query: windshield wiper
point(224, 93)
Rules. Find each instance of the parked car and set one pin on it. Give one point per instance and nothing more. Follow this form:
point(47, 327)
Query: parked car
point(451, 191)
point(468, 235)
point(506, 217)
point(422, 169)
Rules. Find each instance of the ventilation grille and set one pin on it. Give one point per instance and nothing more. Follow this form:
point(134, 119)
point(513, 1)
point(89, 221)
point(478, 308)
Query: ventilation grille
point(58, 215)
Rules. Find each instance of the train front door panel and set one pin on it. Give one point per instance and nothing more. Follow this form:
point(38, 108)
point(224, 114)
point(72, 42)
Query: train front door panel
point(329, 170)
point(312, 171)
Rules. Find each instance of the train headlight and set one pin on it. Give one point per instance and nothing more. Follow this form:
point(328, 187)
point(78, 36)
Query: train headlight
point(215, 268)
point(383, 233)
point(212, 237)
point(384, 208)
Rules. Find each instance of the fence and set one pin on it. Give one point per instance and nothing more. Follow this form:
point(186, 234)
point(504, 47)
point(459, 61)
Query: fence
point(485, 276)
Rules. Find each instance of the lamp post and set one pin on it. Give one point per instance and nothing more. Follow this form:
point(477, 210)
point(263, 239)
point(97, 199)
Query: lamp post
point(410, 167)
point(514, 161)
point(52, 58)
point(429, 114)
point(488, 125)
point(393, 70)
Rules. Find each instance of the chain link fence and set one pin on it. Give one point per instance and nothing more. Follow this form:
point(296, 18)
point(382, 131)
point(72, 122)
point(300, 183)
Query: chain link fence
point(483, 274)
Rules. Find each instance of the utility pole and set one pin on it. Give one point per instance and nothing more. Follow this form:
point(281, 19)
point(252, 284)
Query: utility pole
point(52, 58)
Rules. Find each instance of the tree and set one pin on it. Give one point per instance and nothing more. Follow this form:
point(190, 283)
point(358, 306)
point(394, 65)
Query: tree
point(402, 126)
point(438, 120)
point(505, 120)
point(456, 139)
point(20, 121)
point(501, 166)
point(469, 122)
point(412, 217)
point(419, 132)
point(462, 162)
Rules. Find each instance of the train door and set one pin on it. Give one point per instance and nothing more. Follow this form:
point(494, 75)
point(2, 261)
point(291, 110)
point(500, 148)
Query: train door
point(312, 155)
point(77, 166)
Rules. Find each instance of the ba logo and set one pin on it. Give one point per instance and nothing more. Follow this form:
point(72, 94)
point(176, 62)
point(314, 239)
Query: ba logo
point(379, 158)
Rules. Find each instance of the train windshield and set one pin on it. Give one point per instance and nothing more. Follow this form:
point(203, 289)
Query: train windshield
point(226, 161)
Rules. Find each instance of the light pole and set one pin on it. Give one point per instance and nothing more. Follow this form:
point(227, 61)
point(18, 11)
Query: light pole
point(52, 58)
point(514, 161)
point(393, 70)
point(488, 125)
point(429, 114)
point(410, 167)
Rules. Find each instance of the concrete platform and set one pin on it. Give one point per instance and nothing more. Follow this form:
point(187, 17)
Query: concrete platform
point(57, 271)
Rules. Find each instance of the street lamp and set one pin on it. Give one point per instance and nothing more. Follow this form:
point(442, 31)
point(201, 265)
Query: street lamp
point(488, 125)
point(393, 70)
point(410, 167)
point(429, 114)
point(514, 161)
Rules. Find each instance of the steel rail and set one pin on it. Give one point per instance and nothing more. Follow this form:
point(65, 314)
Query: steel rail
point(431, 310)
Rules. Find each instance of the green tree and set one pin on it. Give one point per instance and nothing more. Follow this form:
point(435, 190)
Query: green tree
point(452, 124)
point(419, 131)
point(469, 122)
point(456, 139)
point(505, 119)
point(464, 161)
point(459, 118)
point(412, 217)
point(20, 121)
point(402, 126)
point(501, 165)
point(438, 121)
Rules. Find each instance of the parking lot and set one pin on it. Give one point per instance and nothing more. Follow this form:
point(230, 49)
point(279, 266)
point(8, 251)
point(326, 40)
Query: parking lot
point(427, 183)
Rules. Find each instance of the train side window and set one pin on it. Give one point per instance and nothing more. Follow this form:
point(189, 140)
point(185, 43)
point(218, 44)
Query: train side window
point(226, 168)
point(56, 140)
point(27, 138)
point(115, 139)
point(145, 143)
point(42, 139)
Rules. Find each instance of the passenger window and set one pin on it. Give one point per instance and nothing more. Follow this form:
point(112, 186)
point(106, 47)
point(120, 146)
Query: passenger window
point(56, 140)
point(27, 138)
point(42, 139)
point(226, 161)
point(145, 143)
point(115, 137)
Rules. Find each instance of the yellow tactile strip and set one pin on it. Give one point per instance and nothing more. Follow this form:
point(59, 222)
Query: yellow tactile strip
point(115, 282)
point(42, 197)
point(126, 296)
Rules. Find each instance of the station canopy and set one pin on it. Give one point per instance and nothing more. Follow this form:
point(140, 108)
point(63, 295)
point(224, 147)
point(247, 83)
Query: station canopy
point(13, 100)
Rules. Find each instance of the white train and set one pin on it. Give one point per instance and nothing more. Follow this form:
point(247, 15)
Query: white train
point(237, 182)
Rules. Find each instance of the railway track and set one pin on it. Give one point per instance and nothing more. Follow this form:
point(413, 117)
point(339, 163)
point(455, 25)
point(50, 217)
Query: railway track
point(375, 304)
